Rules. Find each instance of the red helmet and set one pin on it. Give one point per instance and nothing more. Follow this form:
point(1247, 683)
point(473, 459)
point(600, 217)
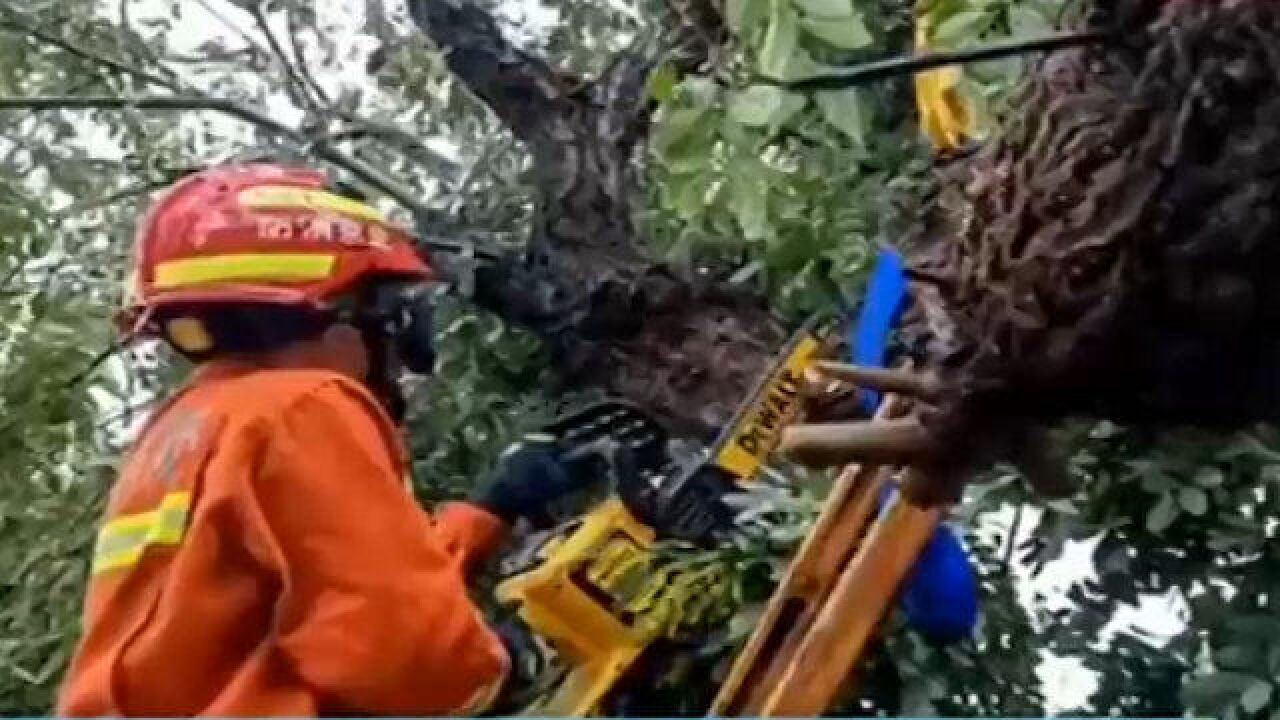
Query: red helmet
point(261, 233)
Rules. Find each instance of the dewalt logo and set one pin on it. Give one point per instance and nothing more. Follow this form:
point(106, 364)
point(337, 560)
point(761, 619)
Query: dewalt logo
point(757, 430)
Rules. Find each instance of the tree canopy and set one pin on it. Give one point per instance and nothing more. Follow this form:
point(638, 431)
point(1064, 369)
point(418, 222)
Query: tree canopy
point(648, 152)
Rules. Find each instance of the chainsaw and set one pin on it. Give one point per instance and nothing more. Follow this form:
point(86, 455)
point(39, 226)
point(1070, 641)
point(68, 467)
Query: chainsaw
point(594, 588)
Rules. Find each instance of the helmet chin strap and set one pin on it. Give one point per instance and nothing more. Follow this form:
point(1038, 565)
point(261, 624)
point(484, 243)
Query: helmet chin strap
point(380, 380)
point(394, 321)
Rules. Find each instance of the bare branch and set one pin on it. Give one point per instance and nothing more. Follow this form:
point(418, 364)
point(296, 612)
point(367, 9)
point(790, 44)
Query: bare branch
point(10, 24)
point(400, 136)
point(233, 27)
point(301, 59)
point(406, 196)
point(131, 42)
point(295, 85)
point(126, 193)
point(1015, 528)
point(884, 442)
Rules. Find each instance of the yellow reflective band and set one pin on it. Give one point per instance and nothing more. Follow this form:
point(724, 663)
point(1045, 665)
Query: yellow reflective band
point(122, 541)
point(279, 267)
point(284, 197)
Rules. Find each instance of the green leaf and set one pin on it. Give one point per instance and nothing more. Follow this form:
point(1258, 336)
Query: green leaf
point(1235, 657)
point(825, 8)
point(1026, 23)
point(675, 126)
point(846, 111)
point(755, 105)
point(845, 33)
point(1210, 692)
point(1193, 500)
point(779, 40)
point(745, 17)
point(962, 28)
point(688, 195)
point(748, 199)
point(1209, 476)
point(662, 83)
point(792, 103)
point(1256, 628)
point(698, 92)
point(1256, 697)
point(1162, 515)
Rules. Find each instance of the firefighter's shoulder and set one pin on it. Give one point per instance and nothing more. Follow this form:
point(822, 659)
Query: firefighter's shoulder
point(272, 391)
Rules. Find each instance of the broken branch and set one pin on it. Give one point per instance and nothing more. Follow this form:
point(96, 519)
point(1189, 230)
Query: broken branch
point(884, 442)
point(924, 386)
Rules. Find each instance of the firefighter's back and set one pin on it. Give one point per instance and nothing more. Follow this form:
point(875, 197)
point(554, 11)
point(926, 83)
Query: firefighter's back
point(183, 588)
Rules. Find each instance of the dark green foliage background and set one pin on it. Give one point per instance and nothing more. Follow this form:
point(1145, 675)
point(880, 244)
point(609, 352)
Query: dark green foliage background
point(796, 192)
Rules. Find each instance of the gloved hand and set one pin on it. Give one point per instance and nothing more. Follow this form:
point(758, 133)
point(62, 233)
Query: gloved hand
point(527, 662)
point(528, 668)
point(531, 475)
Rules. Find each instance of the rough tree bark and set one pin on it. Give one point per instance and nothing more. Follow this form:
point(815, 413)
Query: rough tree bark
point(1113, 254)
point(685, 348)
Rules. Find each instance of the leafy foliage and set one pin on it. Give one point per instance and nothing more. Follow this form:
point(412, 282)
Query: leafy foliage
point(794, 191)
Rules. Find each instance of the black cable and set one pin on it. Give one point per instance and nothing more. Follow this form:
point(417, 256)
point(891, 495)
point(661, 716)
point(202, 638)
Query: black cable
point(890, 67)
point(94, 364)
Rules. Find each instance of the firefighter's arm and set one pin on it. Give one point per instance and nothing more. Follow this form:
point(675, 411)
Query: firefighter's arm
point(374, 612)
point(469, 532)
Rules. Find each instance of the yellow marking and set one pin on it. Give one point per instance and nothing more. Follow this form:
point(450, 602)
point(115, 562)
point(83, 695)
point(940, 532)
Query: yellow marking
point(189, 333)
point(279, 267)
point(758, 430)
point(121, 542)
point(947, 117)
point(284, 197)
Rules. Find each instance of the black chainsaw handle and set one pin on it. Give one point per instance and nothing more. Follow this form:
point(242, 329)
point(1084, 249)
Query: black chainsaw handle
point(616, 445)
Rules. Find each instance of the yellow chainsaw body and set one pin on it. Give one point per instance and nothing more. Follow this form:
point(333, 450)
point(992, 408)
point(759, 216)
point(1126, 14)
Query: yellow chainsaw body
point(580, 597)
point(570, 599)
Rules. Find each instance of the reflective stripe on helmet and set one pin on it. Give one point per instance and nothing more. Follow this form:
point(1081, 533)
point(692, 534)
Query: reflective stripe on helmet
point(279, 267)
point(122, 541)
point(285, 197)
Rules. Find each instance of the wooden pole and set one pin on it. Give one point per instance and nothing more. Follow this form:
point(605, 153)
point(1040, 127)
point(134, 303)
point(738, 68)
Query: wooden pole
point(804, 589)
point(831, 650)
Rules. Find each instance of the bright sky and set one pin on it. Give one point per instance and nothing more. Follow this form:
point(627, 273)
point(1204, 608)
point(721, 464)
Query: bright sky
point(1067, 684)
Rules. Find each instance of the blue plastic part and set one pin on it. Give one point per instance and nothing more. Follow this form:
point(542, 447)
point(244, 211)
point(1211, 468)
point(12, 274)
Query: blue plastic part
point(882, 306)
point(940, 596)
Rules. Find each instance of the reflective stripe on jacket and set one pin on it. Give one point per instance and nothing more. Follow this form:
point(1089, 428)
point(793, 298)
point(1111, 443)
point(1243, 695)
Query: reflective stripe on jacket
point(261, 555)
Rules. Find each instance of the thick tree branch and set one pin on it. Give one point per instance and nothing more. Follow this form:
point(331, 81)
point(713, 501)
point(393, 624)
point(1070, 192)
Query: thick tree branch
point(700, 33)
point(521, 89)
point(683, 347)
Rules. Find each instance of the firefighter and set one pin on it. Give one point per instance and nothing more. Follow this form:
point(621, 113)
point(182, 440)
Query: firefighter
point(262, 553)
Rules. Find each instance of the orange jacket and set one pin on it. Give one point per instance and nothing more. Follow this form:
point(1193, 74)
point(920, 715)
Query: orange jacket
point(262, 555)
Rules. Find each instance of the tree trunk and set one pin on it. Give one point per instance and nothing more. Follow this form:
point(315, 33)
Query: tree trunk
point(686, 349)
point(1114, 253)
